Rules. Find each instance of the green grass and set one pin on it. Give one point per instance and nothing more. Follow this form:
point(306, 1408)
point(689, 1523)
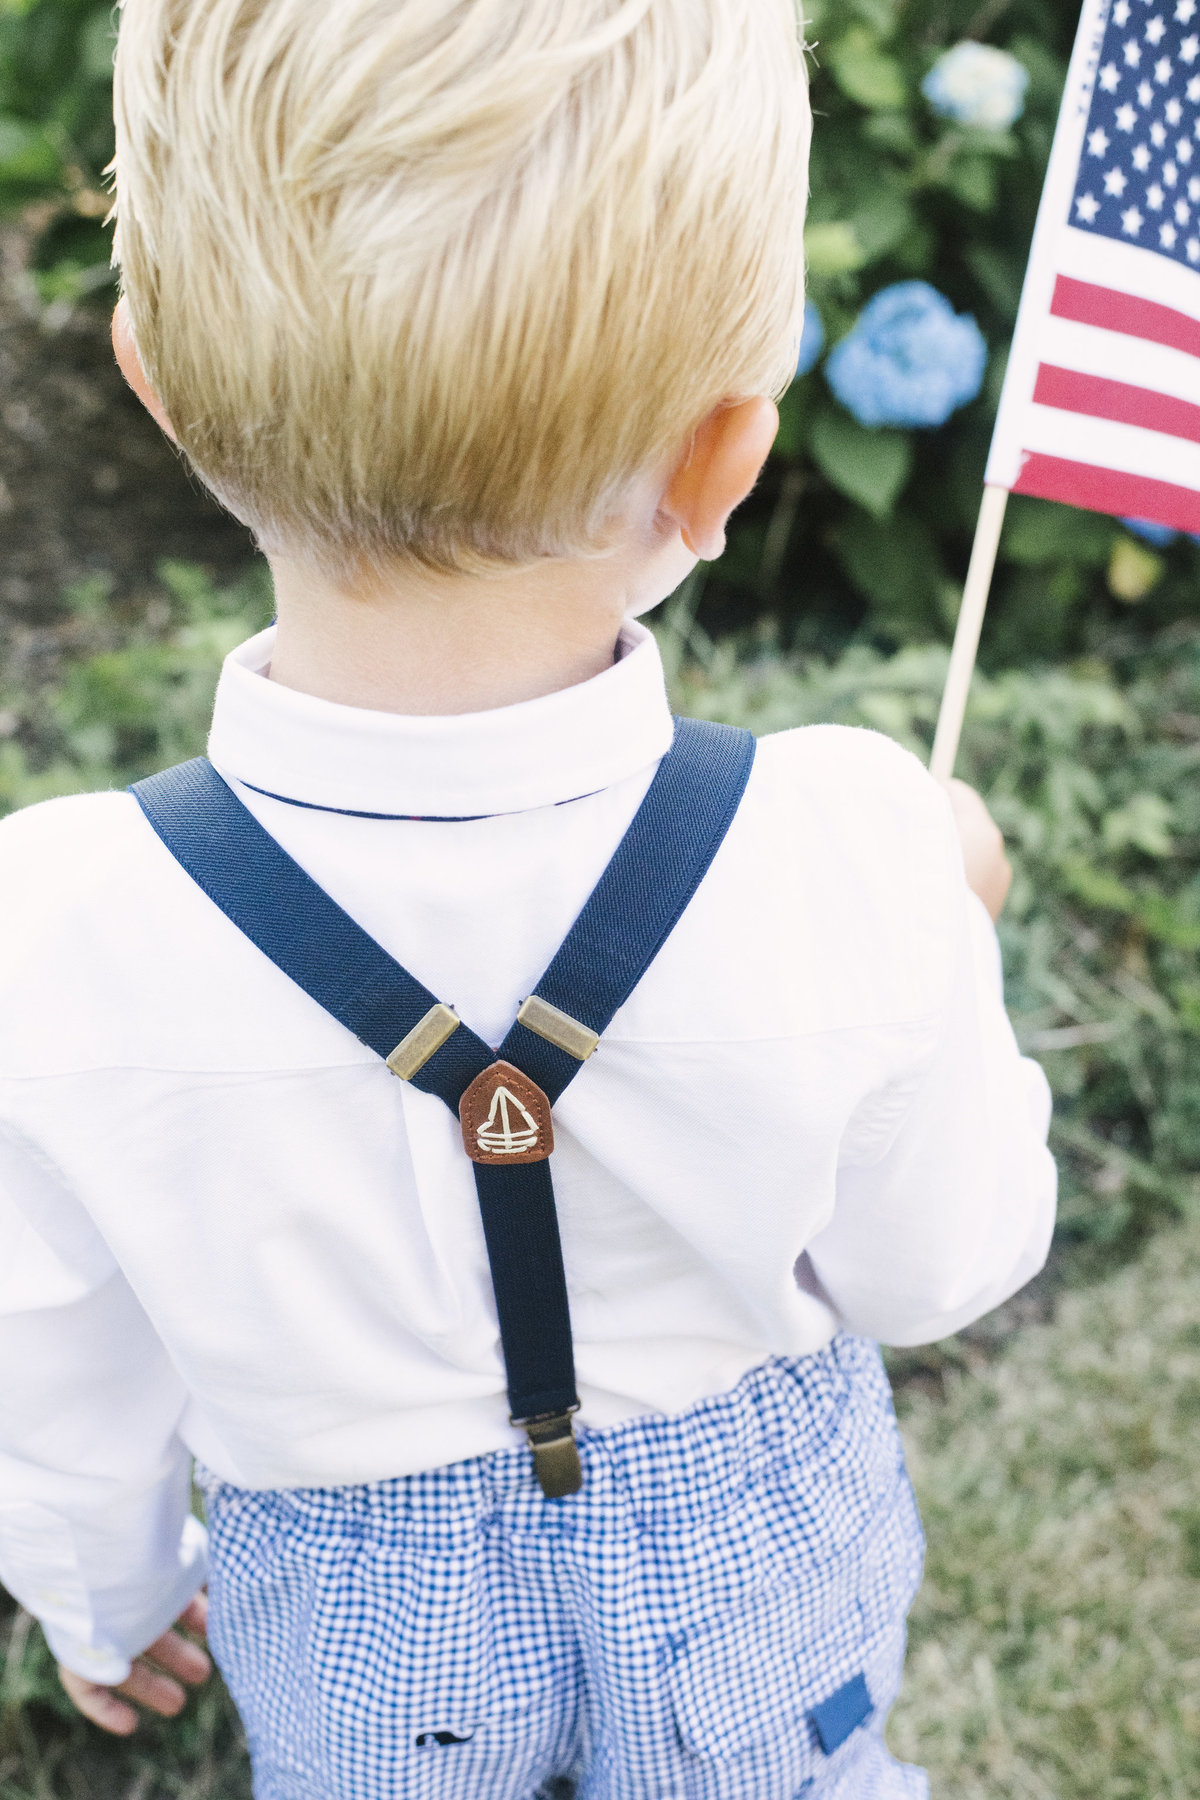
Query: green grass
point(47, 1752)
point(1055, 1647)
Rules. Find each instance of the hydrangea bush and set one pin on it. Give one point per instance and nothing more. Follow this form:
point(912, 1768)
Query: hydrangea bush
point(977, 85)
point(909, 359)
point(934, 122)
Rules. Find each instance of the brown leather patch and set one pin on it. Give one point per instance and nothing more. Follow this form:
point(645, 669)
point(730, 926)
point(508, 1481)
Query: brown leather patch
point(505, 1118)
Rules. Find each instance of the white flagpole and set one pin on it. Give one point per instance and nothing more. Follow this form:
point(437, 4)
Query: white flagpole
point(1005, 458)
point(966, 632)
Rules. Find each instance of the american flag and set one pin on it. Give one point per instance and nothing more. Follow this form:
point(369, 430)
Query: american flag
point(1101, 401)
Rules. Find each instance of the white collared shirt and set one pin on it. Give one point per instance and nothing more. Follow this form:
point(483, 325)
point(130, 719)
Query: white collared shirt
point(226, 1229)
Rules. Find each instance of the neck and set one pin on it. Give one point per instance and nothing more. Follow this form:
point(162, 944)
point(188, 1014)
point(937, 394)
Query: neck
point(427, 644)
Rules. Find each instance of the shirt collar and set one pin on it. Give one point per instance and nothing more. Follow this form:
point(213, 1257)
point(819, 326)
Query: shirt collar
point(538, 753)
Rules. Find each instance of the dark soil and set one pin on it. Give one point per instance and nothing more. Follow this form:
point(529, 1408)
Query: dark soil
point(88, 484)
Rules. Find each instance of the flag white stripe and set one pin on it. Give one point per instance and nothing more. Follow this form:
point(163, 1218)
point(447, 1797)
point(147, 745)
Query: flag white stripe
point(1091, 350)
point(1129, 270)
point(1108, 445)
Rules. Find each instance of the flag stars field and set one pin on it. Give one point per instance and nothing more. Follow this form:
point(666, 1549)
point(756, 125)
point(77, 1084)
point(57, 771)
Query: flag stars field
point(1143, 117)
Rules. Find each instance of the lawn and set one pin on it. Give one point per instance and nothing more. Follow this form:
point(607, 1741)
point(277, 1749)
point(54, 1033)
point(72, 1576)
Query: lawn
point(1055, 1647)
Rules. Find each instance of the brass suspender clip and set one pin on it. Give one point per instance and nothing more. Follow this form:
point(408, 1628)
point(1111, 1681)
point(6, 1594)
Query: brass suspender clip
point(555, 1456)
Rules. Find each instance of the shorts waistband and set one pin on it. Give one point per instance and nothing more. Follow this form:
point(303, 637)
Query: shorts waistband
point(670, 1471)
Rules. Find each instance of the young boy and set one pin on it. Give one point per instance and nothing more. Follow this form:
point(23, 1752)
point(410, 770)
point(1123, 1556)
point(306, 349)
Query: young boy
point(473, 309)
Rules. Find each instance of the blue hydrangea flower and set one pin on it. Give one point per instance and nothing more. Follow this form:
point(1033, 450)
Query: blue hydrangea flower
point(1158, 535)
point(812, 339)
point(976, 84)
point(910, 359)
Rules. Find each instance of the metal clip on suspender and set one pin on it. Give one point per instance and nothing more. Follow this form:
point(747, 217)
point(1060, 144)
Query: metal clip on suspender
point(555, 1454)
point(503, 1098)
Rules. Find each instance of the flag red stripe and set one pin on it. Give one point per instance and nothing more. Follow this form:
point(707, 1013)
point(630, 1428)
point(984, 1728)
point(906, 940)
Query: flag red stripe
point(1108, 491)
point(1088, 304)
point(1101, 398)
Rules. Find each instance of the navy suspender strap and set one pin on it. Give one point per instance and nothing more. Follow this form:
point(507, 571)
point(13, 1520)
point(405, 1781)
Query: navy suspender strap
point(503, 1097)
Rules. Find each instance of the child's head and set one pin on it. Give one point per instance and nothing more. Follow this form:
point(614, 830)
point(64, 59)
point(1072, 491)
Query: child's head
point(447, 281)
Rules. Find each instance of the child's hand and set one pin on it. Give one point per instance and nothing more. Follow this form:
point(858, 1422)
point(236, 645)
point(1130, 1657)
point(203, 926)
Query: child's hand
point(988, 871)
point(150, 1681)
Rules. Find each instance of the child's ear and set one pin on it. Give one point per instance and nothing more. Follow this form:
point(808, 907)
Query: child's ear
point(726, 456)
point(130, 364)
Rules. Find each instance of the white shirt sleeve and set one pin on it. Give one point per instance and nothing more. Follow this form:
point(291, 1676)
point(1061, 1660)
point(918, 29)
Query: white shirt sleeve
point(956, 1212)
point(96, 1534)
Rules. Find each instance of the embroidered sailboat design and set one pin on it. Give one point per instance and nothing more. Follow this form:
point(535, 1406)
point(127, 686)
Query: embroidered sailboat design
point(500, 1134)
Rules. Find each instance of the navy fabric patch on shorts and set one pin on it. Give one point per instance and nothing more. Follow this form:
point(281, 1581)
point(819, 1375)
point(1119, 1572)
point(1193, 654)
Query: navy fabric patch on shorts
point(842, 1713)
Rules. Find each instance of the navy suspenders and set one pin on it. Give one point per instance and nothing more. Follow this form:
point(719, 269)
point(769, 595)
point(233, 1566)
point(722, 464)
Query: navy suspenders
point(503, 1097)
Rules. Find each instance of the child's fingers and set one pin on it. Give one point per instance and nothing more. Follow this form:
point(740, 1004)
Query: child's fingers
point(180, 1657)
point(194, 1617)
point(155, 1684)
point(987, 867)
point(99, 1704)
point(153, 1690)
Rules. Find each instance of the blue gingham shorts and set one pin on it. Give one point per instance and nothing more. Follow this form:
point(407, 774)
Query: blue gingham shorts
point(719, 1615)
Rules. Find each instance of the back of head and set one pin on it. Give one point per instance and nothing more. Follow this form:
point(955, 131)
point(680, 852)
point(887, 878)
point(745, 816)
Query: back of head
point(445, 280)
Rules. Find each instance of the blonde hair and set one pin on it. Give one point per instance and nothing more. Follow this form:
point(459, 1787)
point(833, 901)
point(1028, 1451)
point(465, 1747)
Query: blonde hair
point(445, 280)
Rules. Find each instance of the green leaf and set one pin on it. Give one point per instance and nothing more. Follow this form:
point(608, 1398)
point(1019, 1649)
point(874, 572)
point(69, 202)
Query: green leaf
point(895, 565)
point(998, 272)
point(868, 466)
point(1143, 823)
point(25, 154)
point(1096, 887)
point(793, 424)
point(882, 222)
point(891, 131)
point(881, 14)
point(833, 249)
point(865, 73)
point(1169, 923)
point(972, 179)
point(97, 42)
point(1037, 532)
